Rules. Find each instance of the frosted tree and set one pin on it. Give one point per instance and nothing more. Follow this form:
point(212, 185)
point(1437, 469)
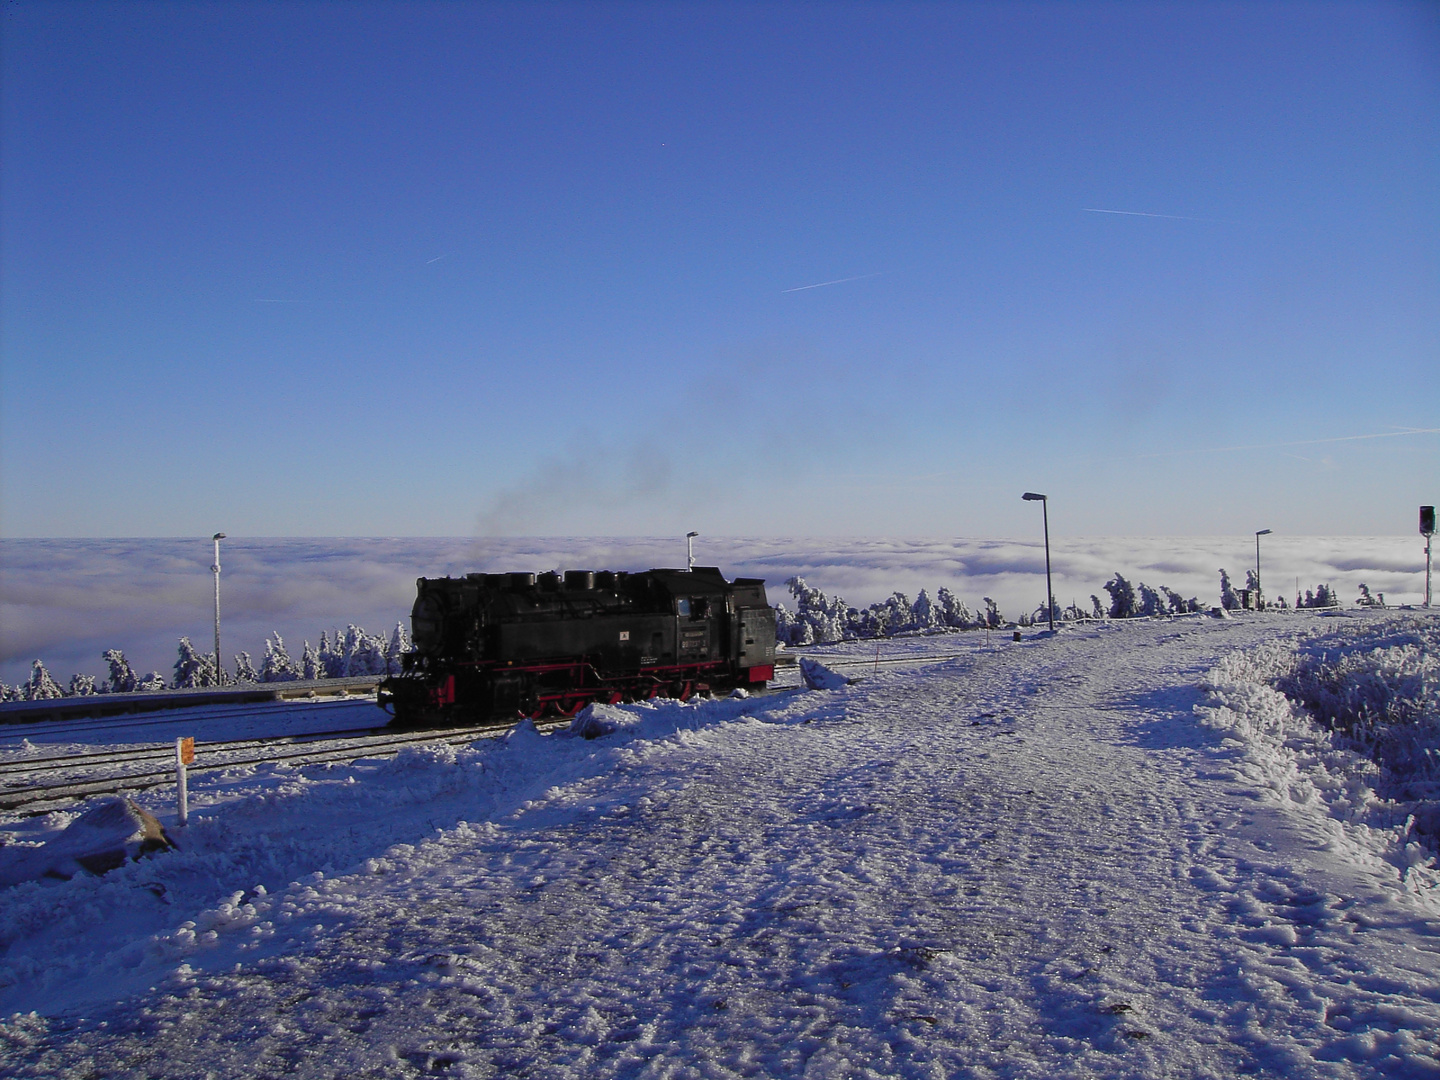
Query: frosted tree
point(81, 686)
point(1122, 597)
point(332, 655)
point(1150, 603)
point(825, 617)
point(122, 679)
point(364, 653)
point(277, 665)
point(993, 618)
point(41, 686)
point(396, 650)
point(9, 693)
point(1097, 609)
point(193, 669)
point(153, 681)
point(1229, 598)
point(310, 666)
point(925, 614)
point(953, 610)
point(785, 625)
point(245, 668)
point(1174, 602)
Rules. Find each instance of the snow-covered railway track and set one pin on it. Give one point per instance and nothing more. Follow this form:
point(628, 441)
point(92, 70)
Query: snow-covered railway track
point(39, 798)
point(79, 730)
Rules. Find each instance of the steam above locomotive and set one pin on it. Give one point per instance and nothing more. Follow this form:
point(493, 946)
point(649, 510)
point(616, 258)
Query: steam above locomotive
point(492, 646)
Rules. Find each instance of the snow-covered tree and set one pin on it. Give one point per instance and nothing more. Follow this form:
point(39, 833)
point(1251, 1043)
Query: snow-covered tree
point(310, 666)
point(785, 625)
point(992, 617)
point(925, 614)
point(194, 669)
point(396, 650)
point(1098, 610)
point(81, 686)
point(1229, 598)
point(153, 681)
point(10, 693)
point(122, 679)
point(332, 655)
point(245, 668)
point(1150, 602)
point(822, 618)
point(1122, 597)
point(41, 686)
point(277, 665)
point(364, 653)
point(953, 611)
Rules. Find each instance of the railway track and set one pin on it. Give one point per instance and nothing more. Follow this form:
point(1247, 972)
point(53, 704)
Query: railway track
point(37, 798)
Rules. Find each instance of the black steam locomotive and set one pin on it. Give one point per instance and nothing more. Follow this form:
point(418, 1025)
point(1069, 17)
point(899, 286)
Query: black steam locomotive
point(493, 646)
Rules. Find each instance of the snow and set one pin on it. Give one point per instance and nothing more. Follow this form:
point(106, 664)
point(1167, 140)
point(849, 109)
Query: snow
point(1034, 859)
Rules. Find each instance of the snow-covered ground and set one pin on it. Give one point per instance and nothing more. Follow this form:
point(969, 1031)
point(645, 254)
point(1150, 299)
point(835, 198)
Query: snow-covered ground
point(1037, 859)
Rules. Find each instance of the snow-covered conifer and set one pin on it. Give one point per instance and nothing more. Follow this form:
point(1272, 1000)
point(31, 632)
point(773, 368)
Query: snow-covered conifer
point(364, 653)
point(1122, 597)
point(784, 624)
point(310, 667)
point(245, 669)
point(41, 686)
point(396, 650)
point(332, 655)
point(1150, 603)
point(1097, 609)
point(1174, 602)
point(193, 669)
point(1229, 598)
point(993, 617)
point(81, 686)
point(925, 614)
point(9, 693)
point(953, 610)
point(122, 679)
point(153, 681)
point(826, 617)
point(277, 665)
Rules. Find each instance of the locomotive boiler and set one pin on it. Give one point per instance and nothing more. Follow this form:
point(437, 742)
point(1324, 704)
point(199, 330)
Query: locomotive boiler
point(502, 646)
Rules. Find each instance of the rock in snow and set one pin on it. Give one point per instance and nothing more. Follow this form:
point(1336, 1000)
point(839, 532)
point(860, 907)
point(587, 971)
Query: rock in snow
point(110, 833)
point(818, 677)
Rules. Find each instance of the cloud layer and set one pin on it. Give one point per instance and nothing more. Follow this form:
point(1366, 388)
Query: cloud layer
point(66, 601)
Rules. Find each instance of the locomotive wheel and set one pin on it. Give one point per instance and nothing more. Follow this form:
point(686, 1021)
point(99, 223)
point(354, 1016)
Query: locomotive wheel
point(686, 690)
point(571, 707)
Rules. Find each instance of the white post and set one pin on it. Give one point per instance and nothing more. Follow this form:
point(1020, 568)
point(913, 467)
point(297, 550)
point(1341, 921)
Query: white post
point(1427, 571)
point(181, 791)
point(690, 550)
point(219, 664)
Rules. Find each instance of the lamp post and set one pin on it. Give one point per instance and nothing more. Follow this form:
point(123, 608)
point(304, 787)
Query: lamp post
point(219, 667)
point(1259, 602)
point(1044, 500)
point(690, 550)
point(1427, 530)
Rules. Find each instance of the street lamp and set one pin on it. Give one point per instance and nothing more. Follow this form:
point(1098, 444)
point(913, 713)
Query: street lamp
point(219, 667)
point(690, 550)
point(1044, 500)
point(1259, 594)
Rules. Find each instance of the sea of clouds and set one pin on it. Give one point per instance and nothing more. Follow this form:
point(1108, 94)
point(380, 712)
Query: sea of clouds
point(66, 601)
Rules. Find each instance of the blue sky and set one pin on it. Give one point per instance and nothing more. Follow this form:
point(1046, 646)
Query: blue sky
point(470, 269)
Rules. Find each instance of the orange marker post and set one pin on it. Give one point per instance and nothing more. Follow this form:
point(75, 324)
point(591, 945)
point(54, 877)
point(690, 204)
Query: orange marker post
point(184, 755)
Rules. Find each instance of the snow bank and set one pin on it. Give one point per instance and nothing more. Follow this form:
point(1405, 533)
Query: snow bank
point(1344, 723)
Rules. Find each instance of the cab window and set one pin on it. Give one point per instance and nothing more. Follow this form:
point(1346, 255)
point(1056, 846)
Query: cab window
point(682, 606)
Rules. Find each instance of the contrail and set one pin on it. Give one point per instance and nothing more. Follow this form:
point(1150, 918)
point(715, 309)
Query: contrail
point(437, 258)
point(281, 301)
point(1281, 445)
point(837, 281)
point(1142, 213)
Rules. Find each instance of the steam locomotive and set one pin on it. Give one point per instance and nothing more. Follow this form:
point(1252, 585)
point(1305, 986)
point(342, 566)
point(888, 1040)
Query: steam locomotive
point(502, 646)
